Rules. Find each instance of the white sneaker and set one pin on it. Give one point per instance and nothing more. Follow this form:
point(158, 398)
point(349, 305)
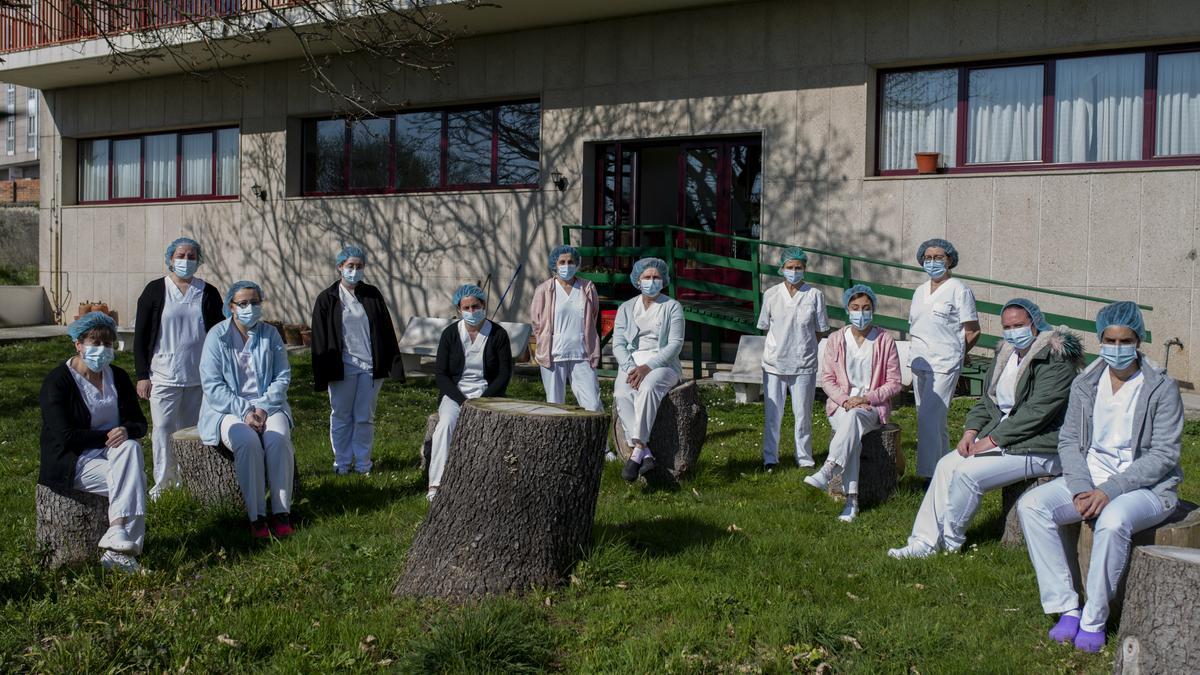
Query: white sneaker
point(111, 560)
point(115, 539)
point(818, 480)
point(915, 550)
point(430, 495)
point(849, 514)
point(611, 456)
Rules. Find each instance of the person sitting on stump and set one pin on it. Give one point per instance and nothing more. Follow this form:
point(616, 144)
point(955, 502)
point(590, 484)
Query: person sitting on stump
point(647, 339)
point(91, 423)
point(245, 375)
point(1119, 448)
point(1012, 431)
point(860, 375)
point(474, 360)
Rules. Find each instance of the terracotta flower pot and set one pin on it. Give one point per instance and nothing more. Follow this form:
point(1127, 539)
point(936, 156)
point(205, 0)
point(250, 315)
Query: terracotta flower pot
point(927, 162)
point(306, 337)
point(291, 334)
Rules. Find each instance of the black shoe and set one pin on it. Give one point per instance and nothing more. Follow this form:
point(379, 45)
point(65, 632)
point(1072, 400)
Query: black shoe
point(647, 465)
point(629, 472)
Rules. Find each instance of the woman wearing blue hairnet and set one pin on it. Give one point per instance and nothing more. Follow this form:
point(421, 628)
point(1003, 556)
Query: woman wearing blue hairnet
point(793, 314)
point(474, 360)
point(353, 349)
point(174, 313)
point(943, 327)
point(91, 421)
point(245, 373)
point(1119, 447)
point(647, 339)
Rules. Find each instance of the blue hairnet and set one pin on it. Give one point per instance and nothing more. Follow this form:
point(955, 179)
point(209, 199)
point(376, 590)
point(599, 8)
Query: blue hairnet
point(1123, 313)
point(858, 289)
point(646, 263)
point(469, 291)
point(559, 250)
point(1033, 310)
point(80, 327)
point(180, 242)
point(792, 253)
point(237, 286)
point(951, 252)
point(351, 252)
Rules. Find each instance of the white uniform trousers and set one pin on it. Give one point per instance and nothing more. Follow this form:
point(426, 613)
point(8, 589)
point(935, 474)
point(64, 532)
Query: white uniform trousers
point(932, 392)
point(638, 408)
point(119, 475)
point(845, 448)
point(1047, 507)
point(957, 487)
point(171, 409)
point(439, 451)
point(263, 463)
point(352, 421)
point(584, 381)
point(775, 392)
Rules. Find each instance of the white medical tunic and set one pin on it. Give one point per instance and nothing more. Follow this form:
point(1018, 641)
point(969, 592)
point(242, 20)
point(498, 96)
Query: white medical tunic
point(649, 324)
point(858, 361)
point(1112, 427)
point(473, 382)
point(1006, 386)
point(101, 404)
point(936, 321)
point(176, 359)
point(356, 334)
point(245, 365)
point(792, 322)
point(567, 344)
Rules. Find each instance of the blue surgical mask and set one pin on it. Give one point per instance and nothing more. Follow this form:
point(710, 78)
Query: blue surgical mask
point(474, 318)
point(351, 275)
point(794, 277)
point(861, 319)
point(1118, 357)
point(651, 287)
point(1019, 337)
point(184, 268)
point(566, 272)
point(935, 268)
point(96, 357)
point(249, 315)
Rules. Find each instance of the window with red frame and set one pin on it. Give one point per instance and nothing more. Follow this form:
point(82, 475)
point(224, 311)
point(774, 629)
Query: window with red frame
point(1120, 108)
point(462, 148)
point(174, 166)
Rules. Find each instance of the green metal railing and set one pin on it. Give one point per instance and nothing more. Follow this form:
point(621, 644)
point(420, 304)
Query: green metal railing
point(741, 314)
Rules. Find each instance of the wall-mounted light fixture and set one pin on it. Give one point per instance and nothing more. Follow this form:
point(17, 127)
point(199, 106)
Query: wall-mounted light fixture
point(559, 180)
point(259, 191)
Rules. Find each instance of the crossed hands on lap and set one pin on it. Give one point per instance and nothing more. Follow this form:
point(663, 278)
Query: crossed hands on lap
point(256, 419)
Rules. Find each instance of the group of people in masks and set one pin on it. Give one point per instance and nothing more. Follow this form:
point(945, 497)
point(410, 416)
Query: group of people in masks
point(1110, 432)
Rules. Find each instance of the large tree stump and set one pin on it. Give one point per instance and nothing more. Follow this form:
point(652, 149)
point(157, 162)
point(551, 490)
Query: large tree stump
point(677, 437)
point(69, 525)
point(1013, 535)
point(1160, 623)
point(209, 474)
point(879, 466)
point(516, 504)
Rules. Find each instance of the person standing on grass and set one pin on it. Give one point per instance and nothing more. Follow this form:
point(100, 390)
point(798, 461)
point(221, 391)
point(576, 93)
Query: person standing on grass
point(91, 423)
point(245, 375)
point(1011, 434)
point(943, 327)
point(793, 314)
point(354, 348)
point(474, 360)
point(174, 314)
point(860, 375)
point(1119, 447)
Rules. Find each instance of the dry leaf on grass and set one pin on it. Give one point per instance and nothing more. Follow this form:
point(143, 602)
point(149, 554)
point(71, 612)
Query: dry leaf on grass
point(228, 641)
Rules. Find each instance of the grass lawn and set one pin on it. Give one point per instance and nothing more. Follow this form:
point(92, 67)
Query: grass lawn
point(739, 571)
point(24, 276)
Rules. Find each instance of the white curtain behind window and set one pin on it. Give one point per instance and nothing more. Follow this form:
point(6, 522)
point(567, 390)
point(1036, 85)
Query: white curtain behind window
point(1098, 115)
point(197, 164)
point(918, 116)
point(228, 172)
point(1004, 118)
point(1178, 104)
point(159, 152)
point(94, 181)
point(127, 168)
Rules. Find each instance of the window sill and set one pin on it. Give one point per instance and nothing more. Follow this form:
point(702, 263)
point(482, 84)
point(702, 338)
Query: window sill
point(1039, 172)
point(160, 202)
point(421, 193)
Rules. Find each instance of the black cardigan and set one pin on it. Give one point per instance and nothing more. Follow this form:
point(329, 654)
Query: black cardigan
point(452, 360)
point(328, 342)
point(148, 321)
point(67, 424)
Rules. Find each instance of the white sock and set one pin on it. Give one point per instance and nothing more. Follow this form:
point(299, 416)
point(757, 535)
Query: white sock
point(1072, 612)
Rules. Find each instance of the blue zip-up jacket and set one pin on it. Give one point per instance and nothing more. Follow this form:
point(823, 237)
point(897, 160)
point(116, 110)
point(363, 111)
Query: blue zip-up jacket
point(221, 380)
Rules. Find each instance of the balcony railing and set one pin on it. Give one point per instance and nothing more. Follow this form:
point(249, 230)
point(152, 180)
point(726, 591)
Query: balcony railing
point(43, 23)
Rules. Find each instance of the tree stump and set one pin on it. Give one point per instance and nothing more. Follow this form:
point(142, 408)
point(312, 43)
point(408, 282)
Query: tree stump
point(209, 474)
point(878, 467)
point(427, 444)
point(69, 525)
point(516, 504)
point(1009, 496)
point(1160, 624)
point(677, 437)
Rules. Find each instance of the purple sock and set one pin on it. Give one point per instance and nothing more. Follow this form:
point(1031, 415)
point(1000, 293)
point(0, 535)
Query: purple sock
point(1088, 641)
point(639, 454)
point(1064, 631)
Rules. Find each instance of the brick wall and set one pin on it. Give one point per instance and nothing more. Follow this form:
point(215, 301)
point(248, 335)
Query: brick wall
point(20, 191)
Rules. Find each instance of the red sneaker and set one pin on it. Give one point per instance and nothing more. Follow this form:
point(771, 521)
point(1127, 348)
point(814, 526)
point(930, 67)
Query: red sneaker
point(280, 526)
point(258, 529)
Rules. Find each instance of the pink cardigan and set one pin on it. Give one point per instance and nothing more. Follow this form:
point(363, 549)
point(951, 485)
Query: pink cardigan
point(885, 373)
point(542, 318)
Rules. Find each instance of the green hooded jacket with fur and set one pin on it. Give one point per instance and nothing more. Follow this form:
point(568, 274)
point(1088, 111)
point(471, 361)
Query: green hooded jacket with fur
point(1042, 391)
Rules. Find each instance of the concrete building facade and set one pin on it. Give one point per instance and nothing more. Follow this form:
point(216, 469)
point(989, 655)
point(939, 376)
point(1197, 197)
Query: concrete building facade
point(19, 160)
point(799, 82)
